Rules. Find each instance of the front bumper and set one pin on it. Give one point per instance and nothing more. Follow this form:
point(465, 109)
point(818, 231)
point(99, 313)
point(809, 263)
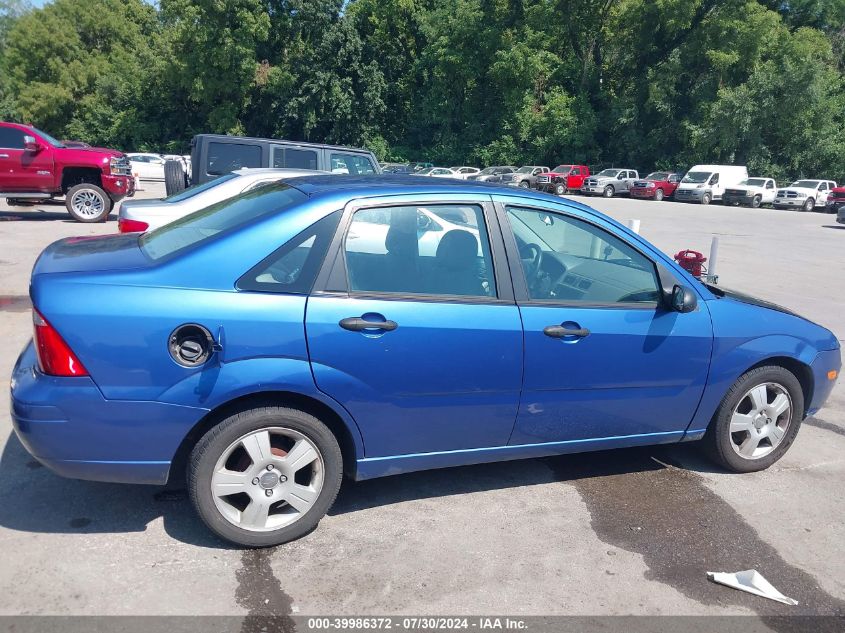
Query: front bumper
point(825, 362)
point(67, 425)
point(118, 187)
point(592, 190)
point(689, 195)
point(746, 199)
point(643, 192)
point(787, 203)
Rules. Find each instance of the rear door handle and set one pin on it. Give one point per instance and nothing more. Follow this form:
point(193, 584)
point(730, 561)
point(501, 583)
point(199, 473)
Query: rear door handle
point(356, 324)
point(558, 331)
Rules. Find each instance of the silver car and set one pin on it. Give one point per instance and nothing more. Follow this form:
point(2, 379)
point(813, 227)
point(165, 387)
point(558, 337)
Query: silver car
point(610, 182)
point(144, 215)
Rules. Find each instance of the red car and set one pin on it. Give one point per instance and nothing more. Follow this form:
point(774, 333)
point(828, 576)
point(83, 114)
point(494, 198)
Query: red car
point(36, 167)
point(657, 185)
point(563, 178)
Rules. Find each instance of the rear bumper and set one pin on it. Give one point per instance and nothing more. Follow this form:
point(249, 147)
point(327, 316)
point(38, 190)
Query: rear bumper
point(825, 362)
point(67, 425)
point(118, 187)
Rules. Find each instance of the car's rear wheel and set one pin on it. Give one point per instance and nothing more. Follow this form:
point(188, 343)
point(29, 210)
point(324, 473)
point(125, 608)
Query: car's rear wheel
point(265, 476)
point(809, 205)
point(757, 420)
point(609, 191)
point(86, 202)
point(658, 195)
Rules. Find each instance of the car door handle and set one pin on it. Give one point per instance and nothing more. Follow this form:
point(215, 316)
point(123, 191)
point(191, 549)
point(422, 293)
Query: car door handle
point(558, 331)
point(356, 324)
point(4, 156)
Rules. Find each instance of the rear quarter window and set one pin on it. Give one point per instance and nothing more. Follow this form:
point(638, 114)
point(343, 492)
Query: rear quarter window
point(219, 219)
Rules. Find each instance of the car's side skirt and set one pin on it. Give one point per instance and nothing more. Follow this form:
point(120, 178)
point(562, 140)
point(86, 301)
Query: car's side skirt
point(371, 467)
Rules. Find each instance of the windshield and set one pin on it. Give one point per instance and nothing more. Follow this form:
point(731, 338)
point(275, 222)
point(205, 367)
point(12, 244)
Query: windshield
point(190, 192)
point(487, 171)
point(658, 175)
point(563, 169)
point(48, 138)
point(426, 171)
point(697, 177)
point(610, 173)
point(524, 170)
point(754, 182)
point(218, 219)
point(806, 184)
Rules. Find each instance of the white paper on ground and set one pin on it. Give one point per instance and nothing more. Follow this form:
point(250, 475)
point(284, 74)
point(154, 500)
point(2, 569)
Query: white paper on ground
point(751, 581)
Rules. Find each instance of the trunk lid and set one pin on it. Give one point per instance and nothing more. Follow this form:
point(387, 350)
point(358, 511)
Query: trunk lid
point(91, 253)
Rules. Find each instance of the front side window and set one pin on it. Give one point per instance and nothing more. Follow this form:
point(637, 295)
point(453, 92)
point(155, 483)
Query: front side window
point(226, 157)
point(425, 250)
point(11, 138)
point(568, 260)
point(354, 164)
point(294, 158)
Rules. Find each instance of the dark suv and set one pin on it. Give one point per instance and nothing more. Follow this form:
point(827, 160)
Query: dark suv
point(213, 155)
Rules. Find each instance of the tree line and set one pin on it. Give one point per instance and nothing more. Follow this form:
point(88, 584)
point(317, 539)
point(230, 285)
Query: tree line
point(639, 83)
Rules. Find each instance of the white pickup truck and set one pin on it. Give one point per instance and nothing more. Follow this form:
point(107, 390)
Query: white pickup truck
point(805, 195)
point(751, 192)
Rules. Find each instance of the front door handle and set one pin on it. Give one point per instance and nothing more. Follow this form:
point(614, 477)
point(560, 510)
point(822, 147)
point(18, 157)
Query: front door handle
point(4, 156)
point(558, 331)
point(357, 324)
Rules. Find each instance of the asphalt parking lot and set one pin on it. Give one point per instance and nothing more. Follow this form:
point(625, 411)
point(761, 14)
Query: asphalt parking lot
point(617, 532)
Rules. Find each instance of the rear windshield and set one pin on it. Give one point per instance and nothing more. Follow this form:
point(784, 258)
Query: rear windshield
point(219, 219)
point(190, 192)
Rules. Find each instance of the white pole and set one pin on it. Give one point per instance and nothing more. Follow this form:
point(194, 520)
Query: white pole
point(714, 252)
point(634, 225)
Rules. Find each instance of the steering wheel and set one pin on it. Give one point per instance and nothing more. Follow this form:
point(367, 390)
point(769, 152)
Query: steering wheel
point(532, 257)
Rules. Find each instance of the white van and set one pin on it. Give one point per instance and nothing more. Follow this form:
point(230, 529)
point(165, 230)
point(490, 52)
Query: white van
point(705, 183)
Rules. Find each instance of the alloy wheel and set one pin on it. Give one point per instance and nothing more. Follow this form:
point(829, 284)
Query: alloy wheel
point(267, 479)
point(87, 203)
point(760, 420)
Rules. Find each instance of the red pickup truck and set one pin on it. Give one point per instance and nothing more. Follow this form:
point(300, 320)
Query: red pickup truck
point(657, 185)
point(563, 178)
point(34, 166)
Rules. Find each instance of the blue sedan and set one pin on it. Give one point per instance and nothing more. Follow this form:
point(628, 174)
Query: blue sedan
point(326, 325)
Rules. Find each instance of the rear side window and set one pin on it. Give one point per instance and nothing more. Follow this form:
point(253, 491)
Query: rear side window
point(293, 268)
point(354, 164)
point(11, 138)
point(226, 157)
point(294, 158)
point(219, 219)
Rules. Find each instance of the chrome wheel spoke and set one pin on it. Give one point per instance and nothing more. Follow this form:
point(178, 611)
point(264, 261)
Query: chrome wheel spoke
point(229, 482)
point(779, 405)
point(256, 513)
point(759, 397)
point(257, 447)
point(301, 498)
point(741, 422)
point(749, 445)
point(299, 456)
point(776, 434)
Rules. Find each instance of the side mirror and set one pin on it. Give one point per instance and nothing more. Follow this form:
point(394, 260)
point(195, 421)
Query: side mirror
point(30, 144)
point(683, 299)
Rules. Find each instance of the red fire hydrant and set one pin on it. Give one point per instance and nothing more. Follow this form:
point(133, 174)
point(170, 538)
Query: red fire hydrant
point(692, 262)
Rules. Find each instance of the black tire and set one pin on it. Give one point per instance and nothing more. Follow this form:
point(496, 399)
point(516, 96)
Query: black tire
point(809, 205)
point(524, 184)
point(658, 195)
point(174, 177)
point(756, 202)
point(86, 202)
point(705, 199)
point(212, 445)
point(609, 191)
point(560, 189)
point(717, 440)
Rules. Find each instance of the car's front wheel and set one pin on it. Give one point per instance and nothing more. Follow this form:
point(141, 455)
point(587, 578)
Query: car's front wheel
point(756, 202)
point(560, 189)
point(757, 420)
point(608, 191)
point(265, 476)
point(810, 204)
point(658, 195)
point(705, 199)
point(86, 202)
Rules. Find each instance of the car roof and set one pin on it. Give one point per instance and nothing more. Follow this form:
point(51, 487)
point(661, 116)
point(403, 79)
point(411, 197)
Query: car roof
point(278, 141)
point(394, 184)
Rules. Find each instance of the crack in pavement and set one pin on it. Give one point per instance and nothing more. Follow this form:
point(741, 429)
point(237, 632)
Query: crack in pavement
point(260, 593)
point(682, 529)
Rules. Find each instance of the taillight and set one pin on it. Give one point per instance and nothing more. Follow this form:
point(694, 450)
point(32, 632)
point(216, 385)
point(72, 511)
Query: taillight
point(55, 358)
point(125, 225)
